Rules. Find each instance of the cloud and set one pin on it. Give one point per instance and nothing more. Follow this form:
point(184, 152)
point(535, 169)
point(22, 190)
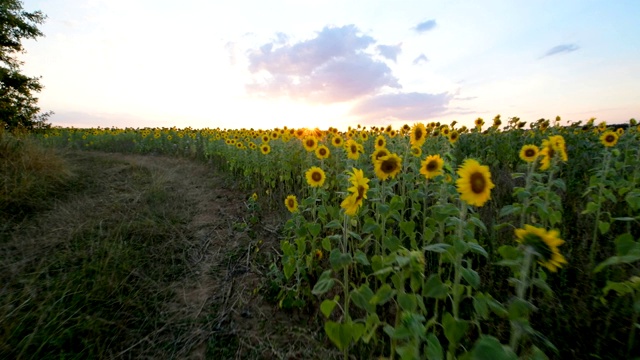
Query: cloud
point(390, 51)
point(425, 26)
point(420, 59)
point(403, 106)
point(332, 67)
point(564, 48)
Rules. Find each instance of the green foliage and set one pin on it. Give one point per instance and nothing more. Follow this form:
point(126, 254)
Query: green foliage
point(18, 105)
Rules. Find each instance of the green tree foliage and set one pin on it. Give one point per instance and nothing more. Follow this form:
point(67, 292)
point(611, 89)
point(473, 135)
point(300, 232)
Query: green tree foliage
point(18, 106)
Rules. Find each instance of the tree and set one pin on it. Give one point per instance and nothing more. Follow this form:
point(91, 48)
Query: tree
point(18, 106)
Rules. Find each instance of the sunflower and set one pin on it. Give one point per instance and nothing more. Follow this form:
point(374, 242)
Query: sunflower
point(291, 202)
point(474, 183)
point(479, 122)
point(353, 149)
point(609, 138)
point(620, 131)
point(454, 136)
point(602, 126)
point(378, 153)
point(364, 136)
point(416, 151)
point(529, 153)
point(393, 133)
point(557, 141)
point(418, 134)
point(388, 166)
point(431, 166)
point(265, 138)
point(445, 131)
point(275, 135)
point(352, 203)
point(388, 129)
point(322, 152)
point(545, 244)
point(310, 143)
point(265, 148)
point(380, 142)
point(315, 176)
point(337, 141)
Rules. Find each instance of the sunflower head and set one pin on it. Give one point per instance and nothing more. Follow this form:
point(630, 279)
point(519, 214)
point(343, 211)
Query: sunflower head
point(474, 183)
point(602, 126)
point(265, 138)
point(609, 138)
point(431, 166)
point(353, 149)
point(479, 122)
point(291, 202)
point(453, 136)
point(378, 153)
point(315, 176)
point(380, 142)
point(388, 166)
point(265, 148)
point(337, 141)
point(310, 143)
point(322, 152)
point(416, 151)
point(620, 131)
point(529, 153)
point(418, 134)
point(544, 244)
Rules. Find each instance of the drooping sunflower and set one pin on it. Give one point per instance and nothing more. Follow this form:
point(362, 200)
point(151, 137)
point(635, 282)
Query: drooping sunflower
point(431, 166)
point(315, 176)
point(378, 153)
point(380, 142)
point(545, 244)
point(291, 202)
point(602, 126)
point(474, 183)
point(609, 138)
point(388, 166)
point(322, 152)
point(357, 178)
point(337, 141)
point(353, 149)
point(418, 134)
point(265, 149)
point(529, 153)
point(310, 143)
point(416, 151)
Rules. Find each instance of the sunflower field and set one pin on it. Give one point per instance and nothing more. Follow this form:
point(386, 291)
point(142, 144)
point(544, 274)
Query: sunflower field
point(435, 241)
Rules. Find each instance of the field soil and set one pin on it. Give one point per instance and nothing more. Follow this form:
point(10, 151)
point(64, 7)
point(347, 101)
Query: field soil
point(195, 280)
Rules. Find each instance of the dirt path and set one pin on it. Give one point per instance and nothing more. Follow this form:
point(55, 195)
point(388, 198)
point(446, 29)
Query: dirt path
point(214, 304)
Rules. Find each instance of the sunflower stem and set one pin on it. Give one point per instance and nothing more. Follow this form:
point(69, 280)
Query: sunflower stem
point(603, 175)
point(516, 330)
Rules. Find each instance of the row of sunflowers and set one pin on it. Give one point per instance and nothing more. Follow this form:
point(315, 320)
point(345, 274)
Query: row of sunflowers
point(437, 241)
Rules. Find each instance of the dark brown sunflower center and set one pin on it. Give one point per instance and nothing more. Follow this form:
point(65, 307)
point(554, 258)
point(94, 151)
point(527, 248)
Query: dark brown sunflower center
point(388, 166)
point(551, 152)
point(353, 149)
point(418, 134)
point(478, 183)
point(290, 204)
point(381, 154)
point(316, 176)
point(380, 142)
point(530, 153)
point(310, 143)
point(432, 166)
point(361, 191)
point(610, 138)
point(322, 151)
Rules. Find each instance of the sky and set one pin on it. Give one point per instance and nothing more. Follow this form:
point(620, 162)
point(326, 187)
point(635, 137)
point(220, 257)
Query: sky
point(301, 63)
